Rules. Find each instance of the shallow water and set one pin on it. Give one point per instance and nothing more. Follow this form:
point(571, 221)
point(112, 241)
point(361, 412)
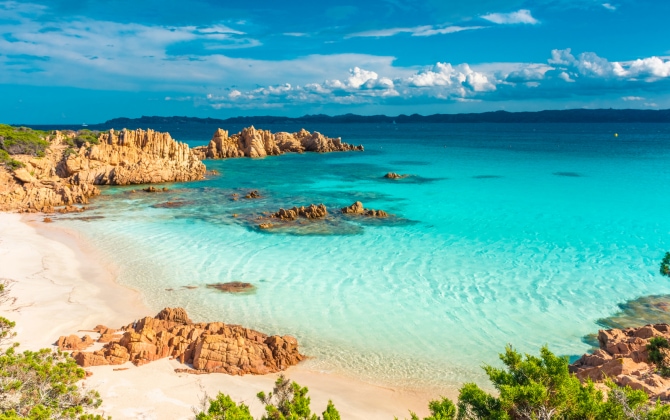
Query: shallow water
point(524, 234)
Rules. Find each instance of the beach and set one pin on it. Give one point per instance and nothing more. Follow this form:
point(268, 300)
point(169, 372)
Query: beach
point(60, 286)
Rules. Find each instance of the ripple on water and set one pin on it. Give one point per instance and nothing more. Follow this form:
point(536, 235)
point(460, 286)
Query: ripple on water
point(526, 261)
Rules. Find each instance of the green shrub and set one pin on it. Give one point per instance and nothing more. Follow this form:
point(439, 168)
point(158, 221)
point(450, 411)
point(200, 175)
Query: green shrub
point(40, 385)
point(8, 162)
point(533, 387)
point(224, 408)
point(22, 140)
point(656, 355)
point(287, 401)
point(665, 265)
point(86, 136)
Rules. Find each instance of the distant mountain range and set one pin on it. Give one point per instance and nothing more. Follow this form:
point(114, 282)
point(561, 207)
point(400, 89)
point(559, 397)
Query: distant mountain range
point(562, 116)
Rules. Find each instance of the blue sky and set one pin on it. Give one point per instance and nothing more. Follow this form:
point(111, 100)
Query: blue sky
point(66, 61)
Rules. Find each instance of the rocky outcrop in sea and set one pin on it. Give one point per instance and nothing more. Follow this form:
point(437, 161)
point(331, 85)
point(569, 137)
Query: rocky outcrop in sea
point(213, 347)
point(251, 142)
point(67, 174)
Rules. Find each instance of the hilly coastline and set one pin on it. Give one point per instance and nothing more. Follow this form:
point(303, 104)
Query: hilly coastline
point(547, 116)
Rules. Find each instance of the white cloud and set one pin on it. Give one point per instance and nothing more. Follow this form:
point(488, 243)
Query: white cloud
point(589, 64)
point(425, 30)
point(632, 98)
point(609, 6)
point(651, 104)
point(520, 16)
point(565, 77)
point(295, 34)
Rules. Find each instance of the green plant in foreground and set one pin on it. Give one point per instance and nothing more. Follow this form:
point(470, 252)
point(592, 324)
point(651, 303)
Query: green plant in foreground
point(287, 401)
point(224, 408)
point(665, 265)
point(41, 385)
point(542, 388)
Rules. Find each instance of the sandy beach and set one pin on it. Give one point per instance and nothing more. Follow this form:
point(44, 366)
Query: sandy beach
point(60, 287)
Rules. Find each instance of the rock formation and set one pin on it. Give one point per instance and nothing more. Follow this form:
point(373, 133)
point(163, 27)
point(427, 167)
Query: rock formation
point(393, 175)
point(358, 209)
point(209, 347)
point(72, 342)
point(67, 175)
point(251, 142)
point(253, 194)
point(623, 357)
point(311, 212)
point(134, 157)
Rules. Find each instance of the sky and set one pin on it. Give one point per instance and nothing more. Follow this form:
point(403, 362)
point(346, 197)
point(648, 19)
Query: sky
point(86, 61)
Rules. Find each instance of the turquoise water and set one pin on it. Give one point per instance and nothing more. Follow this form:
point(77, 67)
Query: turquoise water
point(524, 234)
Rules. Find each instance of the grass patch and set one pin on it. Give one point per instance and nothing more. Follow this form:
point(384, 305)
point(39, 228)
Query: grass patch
point(8, 162)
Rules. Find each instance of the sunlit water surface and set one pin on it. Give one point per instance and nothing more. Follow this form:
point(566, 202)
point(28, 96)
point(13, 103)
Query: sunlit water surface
point(523, 234)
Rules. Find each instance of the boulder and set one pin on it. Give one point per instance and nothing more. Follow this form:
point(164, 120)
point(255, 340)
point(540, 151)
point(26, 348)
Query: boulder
point(623, 357)
point(72, 342)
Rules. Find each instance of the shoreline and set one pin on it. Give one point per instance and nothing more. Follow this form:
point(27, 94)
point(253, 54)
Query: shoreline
point(61, 286)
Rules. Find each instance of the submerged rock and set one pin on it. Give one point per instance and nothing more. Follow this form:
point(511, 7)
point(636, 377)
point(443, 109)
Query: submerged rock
point(172, 204)
point(209, 347)
point(641, 311)
point(233, 287)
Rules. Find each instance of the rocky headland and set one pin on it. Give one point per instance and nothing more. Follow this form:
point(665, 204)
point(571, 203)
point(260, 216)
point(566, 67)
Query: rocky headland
point(251, 142)
point(66, 167)
point(623, 356)
point(212, 347)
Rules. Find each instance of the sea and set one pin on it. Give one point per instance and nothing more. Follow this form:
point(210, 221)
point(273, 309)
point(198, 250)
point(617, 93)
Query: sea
point(519, 234)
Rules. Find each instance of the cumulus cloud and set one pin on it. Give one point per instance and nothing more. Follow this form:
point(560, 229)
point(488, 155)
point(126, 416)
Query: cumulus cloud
point(563, 74)
point(425, 30)
point(609, 6)
point(520, 16)
point(591, 65)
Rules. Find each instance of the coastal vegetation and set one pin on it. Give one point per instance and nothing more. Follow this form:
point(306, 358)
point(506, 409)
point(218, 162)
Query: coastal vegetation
point(40, 385)
point(527, 388)
point(287, 401)
point(665, 265)
point(22, 140)
point(658, 348)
